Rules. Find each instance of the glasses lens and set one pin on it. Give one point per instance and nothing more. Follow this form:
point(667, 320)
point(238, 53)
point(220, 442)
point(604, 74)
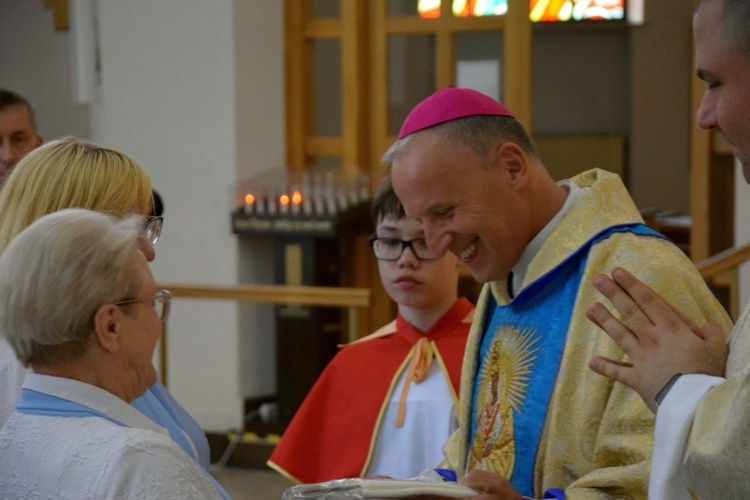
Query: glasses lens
point(163, 298)
point(387, 248)
point(420, 249)
point(153, 229)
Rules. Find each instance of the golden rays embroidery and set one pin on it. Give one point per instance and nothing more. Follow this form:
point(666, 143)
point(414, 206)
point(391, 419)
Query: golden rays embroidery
point(502, 388)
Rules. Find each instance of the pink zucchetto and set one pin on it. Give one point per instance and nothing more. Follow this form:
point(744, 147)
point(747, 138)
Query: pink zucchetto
point(449, 104)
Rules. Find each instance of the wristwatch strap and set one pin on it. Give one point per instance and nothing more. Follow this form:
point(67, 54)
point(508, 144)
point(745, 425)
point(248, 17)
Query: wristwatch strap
point(664, 390)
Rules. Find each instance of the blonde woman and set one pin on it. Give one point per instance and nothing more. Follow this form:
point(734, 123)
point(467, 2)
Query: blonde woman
point(73, 173)
point(74, 433)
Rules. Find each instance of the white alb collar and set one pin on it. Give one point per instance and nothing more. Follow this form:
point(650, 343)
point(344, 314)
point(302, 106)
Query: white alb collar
point(519, 270)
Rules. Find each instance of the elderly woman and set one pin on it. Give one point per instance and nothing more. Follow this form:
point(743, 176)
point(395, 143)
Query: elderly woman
point(78, 303)
point(75, 173)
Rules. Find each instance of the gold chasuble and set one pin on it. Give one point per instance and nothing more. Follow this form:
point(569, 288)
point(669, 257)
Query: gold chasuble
point(718, 447)
point(530, 408)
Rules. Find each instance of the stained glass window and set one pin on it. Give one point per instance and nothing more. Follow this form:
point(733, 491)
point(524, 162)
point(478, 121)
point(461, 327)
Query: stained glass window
point(576, 10)
point(540, 10)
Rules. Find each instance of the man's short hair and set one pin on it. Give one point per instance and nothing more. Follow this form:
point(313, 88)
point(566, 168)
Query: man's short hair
point(9, 98)
point(480, 133)
point(385, 203)
point(735, 22)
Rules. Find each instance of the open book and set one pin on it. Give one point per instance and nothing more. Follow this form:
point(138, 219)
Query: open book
point(377, 488)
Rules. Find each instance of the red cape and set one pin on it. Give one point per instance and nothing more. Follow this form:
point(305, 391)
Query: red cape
point(332, 434)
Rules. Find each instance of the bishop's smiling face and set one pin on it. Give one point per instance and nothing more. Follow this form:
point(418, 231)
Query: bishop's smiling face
point(468, 205)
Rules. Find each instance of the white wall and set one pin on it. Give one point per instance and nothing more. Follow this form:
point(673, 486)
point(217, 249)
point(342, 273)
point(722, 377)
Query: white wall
point(169, 94)
point(259, 99)
point(167, 98)
point(34, 62)
point(199, 105)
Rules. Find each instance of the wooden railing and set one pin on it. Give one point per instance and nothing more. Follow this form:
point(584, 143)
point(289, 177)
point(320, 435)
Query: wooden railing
point(351, 298)
point(720, 271)
point(724, 261)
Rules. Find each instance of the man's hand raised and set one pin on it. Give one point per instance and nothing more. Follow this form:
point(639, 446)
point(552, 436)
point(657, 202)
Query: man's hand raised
point(660, 341)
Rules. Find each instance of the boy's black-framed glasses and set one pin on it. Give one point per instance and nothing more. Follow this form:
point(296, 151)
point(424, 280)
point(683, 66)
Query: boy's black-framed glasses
point(393, 248)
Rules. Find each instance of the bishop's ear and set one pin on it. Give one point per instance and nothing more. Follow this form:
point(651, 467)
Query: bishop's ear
point(513, 160)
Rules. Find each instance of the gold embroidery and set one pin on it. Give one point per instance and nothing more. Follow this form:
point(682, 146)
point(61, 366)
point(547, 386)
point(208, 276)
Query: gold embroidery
point(502, 389)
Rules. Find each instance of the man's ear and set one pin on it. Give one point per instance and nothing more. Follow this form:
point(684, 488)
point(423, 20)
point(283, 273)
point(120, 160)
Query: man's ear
point(108, 327)
point(513, 160)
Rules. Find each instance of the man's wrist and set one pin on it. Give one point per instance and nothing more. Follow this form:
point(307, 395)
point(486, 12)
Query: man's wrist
point(665, 390)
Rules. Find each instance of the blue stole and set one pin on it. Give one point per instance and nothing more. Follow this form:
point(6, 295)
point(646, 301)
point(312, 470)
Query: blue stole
point(158, 405)
point(519, 357)
point(39, 403)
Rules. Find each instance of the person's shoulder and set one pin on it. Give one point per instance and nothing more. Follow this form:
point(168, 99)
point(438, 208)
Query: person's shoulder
point(632, 248)
point(149, 464)
point(117, 440)
point(383, 332)
point(133, 438)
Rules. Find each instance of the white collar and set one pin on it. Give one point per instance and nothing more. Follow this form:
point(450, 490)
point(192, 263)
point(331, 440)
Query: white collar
point(519, 270)
point(92, 397)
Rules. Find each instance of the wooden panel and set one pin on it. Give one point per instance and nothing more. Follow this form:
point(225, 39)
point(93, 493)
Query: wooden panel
point(323, 146)
point(298, 113)
point(568, 155)
point(720, 145)
point(354, 87)
point(721, 203)
point(322, 28)
point(378, 77)
point(517, 68)
point(410, 25)
point(700, 154)
point(445, 64)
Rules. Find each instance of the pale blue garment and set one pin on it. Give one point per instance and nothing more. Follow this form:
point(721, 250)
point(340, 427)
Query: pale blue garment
point(34, 402)
point(159, 405)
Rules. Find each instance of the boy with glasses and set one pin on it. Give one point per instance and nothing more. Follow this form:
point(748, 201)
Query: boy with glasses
point(385, 404)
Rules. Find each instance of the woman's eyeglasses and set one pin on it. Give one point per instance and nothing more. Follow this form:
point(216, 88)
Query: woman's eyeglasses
point(160, 300)
point(152, 228)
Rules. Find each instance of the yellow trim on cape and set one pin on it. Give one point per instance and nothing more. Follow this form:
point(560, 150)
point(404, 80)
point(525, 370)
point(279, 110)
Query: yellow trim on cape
point(394, 381)
point(390, 329)
point(383, 331)
point(381, 413)
point(283, 472)
point(444, 369)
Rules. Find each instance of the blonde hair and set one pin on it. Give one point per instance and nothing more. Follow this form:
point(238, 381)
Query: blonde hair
point(71, 173)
